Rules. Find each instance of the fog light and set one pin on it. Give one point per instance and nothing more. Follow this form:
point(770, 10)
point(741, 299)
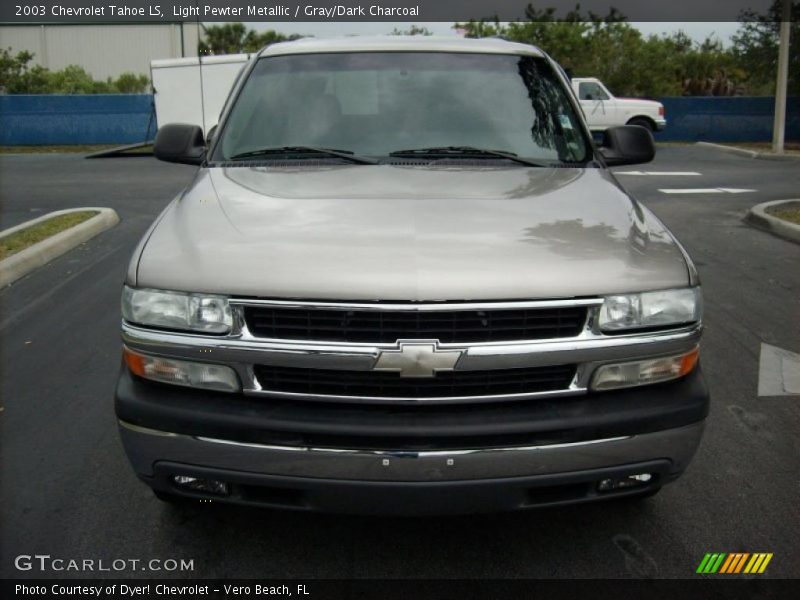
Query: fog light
point(199, 484)
point(630, 481)
point(656, 370)
point(182, 372)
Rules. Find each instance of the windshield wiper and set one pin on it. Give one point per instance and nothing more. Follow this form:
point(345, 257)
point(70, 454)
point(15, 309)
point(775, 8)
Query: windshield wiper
point(345, 154)
point(466, 151)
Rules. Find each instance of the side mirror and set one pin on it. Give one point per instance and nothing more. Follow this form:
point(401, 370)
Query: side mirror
point(627, 145)
point(210, 135)
point(180, 143)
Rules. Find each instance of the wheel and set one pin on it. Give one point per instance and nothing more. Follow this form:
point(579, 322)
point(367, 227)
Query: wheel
point(641, 122)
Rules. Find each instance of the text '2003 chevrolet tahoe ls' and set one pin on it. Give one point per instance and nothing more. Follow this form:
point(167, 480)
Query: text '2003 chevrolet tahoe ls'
point(403, 280)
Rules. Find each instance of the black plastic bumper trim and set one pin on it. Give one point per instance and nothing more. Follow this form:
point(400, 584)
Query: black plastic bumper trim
point(412, 498)
point(269, 420)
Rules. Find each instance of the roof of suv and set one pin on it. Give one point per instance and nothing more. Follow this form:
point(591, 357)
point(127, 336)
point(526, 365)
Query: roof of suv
point(399, 43)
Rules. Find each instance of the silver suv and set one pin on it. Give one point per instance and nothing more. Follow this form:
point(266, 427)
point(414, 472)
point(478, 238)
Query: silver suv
point(403, 280)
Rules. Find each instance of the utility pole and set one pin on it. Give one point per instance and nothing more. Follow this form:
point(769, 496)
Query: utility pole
point(779, 126)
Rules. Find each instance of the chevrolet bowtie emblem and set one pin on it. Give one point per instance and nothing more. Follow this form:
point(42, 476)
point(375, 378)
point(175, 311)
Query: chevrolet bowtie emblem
point(417, 359)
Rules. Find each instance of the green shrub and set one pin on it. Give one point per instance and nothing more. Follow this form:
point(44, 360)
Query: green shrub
point(17, 76)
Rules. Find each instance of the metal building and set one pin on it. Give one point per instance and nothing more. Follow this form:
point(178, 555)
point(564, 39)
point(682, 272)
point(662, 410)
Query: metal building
point(103, 50)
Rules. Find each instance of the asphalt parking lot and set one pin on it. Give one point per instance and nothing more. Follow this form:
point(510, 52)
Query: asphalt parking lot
point(68, 491)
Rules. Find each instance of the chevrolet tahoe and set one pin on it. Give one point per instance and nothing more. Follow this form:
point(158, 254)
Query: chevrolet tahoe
point(403, 280)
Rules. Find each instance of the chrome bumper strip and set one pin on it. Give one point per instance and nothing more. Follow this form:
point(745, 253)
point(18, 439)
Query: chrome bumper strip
point(407, 453)
point(145, 447)
point(573, 390)
point(362, 357)
point(418, 307)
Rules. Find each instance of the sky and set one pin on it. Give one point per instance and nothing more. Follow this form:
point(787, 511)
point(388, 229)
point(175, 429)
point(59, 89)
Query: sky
point(696, 30)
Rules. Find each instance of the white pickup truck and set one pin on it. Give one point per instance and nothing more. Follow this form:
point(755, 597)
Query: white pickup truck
point(604, 110)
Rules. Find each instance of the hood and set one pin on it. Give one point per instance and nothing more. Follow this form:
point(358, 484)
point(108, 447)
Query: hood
point(417, 233)
point(641, 102)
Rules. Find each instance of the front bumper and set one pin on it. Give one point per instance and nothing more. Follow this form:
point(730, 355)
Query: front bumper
point(404, 483)
point(410, 460)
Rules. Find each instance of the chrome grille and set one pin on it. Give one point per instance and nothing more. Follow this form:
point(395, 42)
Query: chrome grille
point(448, 384)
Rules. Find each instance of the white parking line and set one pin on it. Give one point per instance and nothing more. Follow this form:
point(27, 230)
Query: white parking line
point(778, 372)
point(659, 173)
point(705, 191)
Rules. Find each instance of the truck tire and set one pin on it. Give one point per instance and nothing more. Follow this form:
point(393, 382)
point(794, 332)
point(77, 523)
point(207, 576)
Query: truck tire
point(642, 122)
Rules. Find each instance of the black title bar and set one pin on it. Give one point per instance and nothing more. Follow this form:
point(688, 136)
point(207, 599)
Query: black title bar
point(406, 11)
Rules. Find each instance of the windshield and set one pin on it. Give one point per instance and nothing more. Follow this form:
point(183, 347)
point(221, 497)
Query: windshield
point(376, 103)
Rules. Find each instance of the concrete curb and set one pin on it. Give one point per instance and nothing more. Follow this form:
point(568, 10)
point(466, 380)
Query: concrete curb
point(20, 264)
point(758, 217)
point(749, 153)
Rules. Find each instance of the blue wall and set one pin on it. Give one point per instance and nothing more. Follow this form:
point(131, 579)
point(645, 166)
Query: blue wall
point(78, 119)
point(737, 119)
point(123, 119)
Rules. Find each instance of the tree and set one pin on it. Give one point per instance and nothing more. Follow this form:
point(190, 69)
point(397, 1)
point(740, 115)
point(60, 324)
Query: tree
point(755, 48)
point(234, 38)
point(413, 30)
point(131, 83)
point(256, 41)
point(223, 39)
point(479, 29)
point(611, 49)
point(584, 44)
point(12, 69)
point(18, 77)
point(708, 69)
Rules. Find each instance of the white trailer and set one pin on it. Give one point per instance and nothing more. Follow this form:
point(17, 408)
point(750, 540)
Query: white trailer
point(178, 94)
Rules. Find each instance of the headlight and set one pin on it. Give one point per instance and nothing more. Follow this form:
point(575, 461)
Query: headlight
point(176, 310)
point(651, 309)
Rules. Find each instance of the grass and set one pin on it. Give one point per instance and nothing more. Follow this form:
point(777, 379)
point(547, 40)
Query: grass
point(20, 240)
point(52, 149)
point(77, 149)
point(789, 147)
point(787, 212)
